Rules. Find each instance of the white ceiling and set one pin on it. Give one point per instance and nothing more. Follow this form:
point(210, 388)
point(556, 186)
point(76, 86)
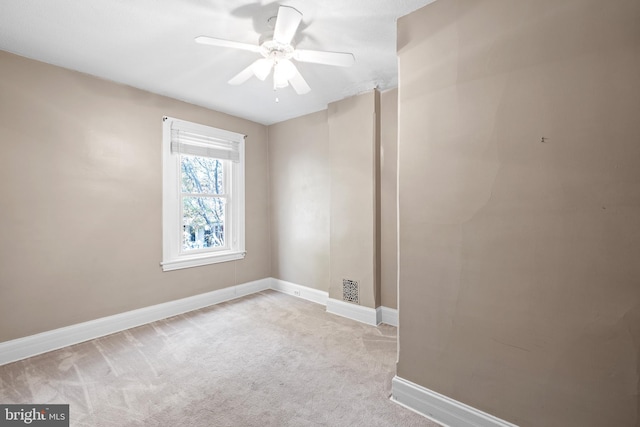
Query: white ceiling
point(149, 44)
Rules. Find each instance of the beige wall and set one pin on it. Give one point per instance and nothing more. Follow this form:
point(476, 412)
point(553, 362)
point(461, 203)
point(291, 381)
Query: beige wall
point(352, 141)
point(388, 197)
point(81, 191)
point(519, 273)
point(301, 191)
point(300, 188)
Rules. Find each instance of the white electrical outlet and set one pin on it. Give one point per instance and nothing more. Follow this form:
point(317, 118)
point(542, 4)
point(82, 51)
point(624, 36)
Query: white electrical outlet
point(296, 293)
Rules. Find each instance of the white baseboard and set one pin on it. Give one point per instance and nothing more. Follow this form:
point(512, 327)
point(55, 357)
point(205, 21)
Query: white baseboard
point(21, 348)
point(304, 292)
point(389, 316)
point(367, 315)
point(440, 408)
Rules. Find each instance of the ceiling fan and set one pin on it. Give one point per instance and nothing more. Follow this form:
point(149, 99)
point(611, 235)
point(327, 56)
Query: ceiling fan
point(277, 53)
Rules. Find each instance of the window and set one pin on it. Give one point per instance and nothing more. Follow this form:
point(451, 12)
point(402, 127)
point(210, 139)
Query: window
point(202, 195)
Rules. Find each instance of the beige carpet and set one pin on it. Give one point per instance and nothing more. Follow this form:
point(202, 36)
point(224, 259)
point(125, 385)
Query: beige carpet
point(268, 359)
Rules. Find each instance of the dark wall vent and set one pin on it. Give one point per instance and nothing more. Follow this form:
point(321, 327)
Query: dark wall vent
point(350, 291)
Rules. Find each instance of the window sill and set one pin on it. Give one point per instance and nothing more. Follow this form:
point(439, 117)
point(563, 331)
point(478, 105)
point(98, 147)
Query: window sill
point(199, 260)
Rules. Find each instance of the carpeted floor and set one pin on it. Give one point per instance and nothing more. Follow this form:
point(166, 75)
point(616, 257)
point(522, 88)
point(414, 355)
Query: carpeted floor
point(268, 359)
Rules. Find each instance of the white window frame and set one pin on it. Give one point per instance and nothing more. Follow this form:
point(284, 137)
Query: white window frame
point(173, 257)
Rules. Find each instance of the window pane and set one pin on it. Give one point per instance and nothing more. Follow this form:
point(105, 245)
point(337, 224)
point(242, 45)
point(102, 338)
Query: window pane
point(201, 175)
point(203, 222)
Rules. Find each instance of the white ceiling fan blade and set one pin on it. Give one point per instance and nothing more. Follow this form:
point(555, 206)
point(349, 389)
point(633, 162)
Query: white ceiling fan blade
point(286, 24)
point(298, 83)
point(243, 75)
point(340, 59)
point(212, 41)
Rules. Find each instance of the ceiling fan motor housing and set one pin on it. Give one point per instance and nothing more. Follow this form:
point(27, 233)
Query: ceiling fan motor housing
point(276, 50)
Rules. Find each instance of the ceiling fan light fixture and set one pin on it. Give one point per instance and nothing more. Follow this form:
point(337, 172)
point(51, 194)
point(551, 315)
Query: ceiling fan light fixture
point(286, 69)
point(280, 80)
point(279, 83)
point(261, 68)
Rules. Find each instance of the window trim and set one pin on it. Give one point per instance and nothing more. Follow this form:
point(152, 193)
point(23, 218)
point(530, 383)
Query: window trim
point(172, 256)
